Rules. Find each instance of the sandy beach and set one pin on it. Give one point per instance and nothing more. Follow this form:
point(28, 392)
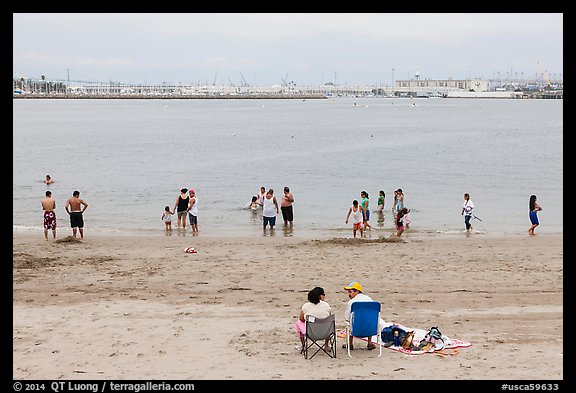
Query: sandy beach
point(139, 308)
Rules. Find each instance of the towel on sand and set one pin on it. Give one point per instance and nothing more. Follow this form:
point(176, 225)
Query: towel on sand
point(449, 342)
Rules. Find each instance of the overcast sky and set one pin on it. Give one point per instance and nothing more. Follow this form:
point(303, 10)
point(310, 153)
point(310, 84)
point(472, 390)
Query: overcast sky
point(266, 49)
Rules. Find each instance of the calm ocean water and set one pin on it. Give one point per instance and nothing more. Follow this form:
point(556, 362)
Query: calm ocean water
point(130, 158)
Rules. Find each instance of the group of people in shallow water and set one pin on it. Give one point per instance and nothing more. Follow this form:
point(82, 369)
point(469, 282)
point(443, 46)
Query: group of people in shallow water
point(266, 201)
point(360, 212)
point(75, 207)
point(186, 205)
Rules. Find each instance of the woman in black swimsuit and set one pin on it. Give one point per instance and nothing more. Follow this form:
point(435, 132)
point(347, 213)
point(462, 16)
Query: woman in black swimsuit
point(181, 207)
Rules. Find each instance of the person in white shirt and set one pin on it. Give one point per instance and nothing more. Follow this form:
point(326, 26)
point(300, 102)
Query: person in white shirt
point(270, 210)
point(193, 210)
point(467, 209)
point(355, 294)
point(261, 196)
point(316, 307)
point(357, 218)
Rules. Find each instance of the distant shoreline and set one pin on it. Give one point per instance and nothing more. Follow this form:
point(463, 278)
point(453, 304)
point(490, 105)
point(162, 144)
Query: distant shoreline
point(169, 97)
point(311, 96)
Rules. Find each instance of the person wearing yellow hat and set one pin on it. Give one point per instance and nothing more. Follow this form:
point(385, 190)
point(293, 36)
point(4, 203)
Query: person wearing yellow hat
point(354, 285)
point(355, 294)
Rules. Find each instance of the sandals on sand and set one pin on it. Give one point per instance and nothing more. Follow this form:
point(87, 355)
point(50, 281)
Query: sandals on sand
point(371, 346)
point(344, 346)
point(425, 347)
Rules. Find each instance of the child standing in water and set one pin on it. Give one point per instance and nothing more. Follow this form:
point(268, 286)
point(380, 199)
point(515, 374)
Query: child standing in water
point(400, 221)
point(399, 200)
point(254, 203)
point(381, 196)
point(167, 218)
point(395, 203)
point(407, 218)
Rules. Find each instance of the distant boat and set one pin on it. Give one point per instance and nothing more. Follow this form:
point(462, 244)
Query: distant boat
point(435, 94)
point(428, 94)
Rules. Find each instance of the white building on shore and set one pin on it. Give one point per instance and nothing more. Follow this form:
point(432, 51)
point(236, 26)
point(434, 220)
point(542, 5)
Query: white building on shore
point(439, 87)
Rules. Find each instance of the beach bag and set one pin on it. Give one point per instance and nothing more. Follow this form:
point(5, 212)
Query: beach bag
point(387, 334)
point(407, 343)
point(434, 336)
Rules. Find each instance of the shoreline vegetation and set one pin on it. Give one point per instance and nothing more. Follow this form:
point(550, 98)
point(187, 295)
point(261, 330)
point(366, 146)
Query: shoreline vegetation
point(139, 307)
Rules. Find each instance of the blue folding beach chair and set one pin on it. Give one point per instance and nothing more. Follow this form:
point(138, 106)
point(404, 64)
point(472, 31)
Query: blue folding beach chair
point(364, 323)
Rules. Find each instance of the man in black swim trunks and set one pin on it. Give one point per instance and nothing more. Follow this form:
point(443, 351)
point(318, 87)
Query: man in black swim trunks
point(74, 209)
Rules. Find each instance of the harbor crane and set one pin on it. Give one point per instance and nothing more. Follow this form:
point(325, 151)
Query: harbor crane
point(285, 80)
point(288, 85)
point(244, 83)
